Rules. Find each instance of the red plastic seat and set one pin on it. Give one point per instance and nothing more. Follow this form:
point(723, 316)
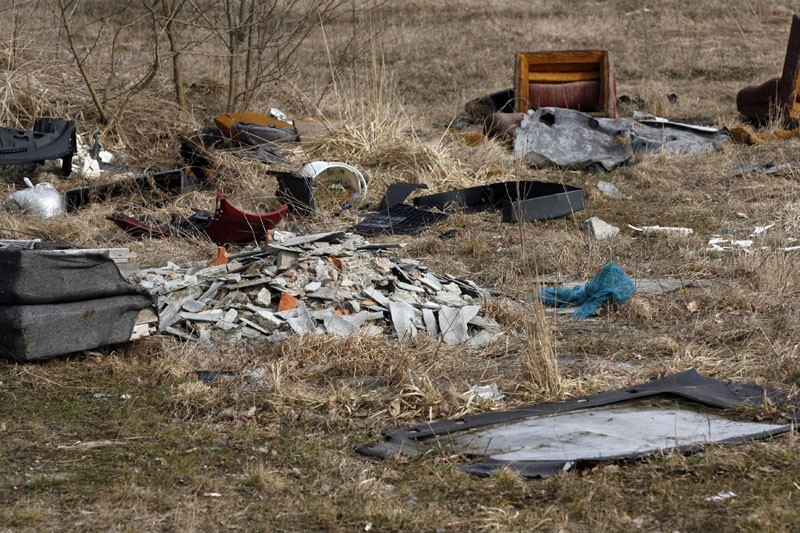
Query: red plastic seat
point(230, 225)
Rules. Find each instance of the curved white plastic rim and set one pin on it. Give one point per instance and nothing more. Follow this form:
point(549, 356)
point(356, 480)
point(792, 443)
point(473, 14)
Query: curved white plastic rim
point(357, 181)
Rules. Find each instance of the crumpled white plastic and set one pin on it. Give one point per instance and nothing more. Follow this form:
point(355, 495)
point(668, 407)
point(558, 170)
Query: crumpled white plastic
point(42, 200)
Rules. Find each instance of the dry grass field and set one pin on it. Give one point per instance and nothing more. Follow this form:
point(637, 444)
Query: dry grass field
point(121, 439)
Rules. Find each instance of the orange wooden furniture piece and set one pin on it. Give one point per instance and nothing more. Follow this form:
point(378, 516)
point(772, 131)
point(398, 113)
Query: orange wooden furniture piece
point(580, 79)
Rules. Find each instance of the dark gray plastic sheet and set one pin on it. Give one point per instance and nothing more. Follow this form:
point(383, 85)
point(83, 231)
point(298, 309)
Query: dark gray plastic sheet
point(567, 138)
point(543, 439)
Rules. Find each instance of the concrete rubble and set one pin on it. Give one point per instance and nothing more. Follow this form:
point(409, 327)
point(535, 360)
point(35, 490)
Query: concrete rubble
point(610, 190)
point(599, 229)
point(336, 283)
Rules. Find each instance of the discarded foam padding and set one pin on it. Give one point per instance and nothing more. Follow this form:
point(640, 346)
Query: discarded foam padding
point(33, 332)
point(518, 200)
point(682, 412)
point(583, 80)
point(53, 303)
point(778, 96)
point(50, 138)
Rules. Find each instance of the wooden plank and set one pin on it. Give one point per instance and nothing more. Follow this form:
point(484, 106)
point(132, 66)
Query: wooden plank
point(565, 67)
point(576, 56)
point(562, 77)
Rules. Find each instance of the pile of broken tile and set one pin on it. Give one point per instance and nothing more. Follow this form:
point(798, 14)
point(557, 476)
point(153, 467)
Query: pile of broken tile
point(336, 283)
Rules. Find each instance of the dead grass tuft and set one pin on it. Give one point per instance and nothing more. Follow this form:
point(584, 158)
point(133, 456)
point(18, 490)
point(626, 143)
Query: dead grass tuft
point(264, 480)
point(538, 355)
point(191, 399)
point(388, 141)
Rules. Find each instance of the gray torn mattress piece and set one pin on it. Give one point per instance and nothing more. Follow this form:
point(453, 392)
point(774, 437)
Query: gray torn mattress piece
point(53, 303)
point(551, 136)
point(31, 332)
point(683, 412)
point(44, 276)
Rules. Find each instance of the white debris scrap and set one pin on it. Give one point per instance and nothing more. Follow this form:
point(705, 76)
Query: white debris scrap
point(672, 230)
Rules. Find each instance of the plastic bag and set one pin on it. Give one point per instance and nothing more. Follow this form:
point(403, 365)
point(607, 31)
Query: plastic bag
point(42, 200)
point(610, 284)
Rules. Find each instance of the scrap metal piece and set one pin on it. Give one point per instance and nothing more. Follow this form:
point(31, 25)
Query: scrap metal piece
point(541, 440)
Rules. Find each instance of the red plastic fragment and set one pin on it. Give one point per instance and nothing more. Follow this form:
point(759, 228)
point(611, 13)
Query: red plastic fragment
point(229, 225)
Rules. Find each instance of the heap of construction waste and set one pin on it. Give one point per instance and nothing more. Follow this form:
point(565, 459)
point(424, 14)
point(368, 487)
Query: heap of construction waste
point(336, 283)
